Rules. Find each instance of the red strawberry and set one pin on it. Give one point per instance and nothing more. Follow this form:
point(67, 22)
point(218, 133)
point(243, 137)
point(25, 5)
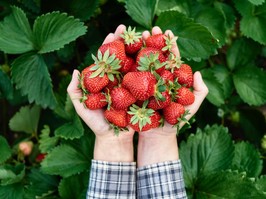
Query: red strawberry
point(95, 101)
point(173, 112)
point(156, 41)
point(121, 98)
point(40, 157)
point(116, 117)
point(167, 76)
point(185, 96)
point(142, 85)
point(156, 104)
point(111, 85)
point(184, 75)
point(132, 40)
point(142, 118)
point(150, 59)
point(92, 84)
point(128, 64)
point(116, 47)
point(160, 42)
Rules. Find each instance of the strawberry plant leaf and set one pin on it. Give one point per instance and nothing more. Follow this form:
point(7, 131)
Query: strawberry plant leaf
point(83, 9)
point(65, 161)
point(216, 25)
point(74, 186)
point(261, 183)
point(12, 191)
point(71, 130)
point(11, 174)
point(226, 184)
point(250, 85)
point(5, 149)
point(253, 20)
point(228, 14)
point(46, 142)
point(251, 165)
point(216, 93)
point(30, 73)
point(40, 184)
point(54, 30)
point(242, 53)
point(26, 119)
point(16, 34)
point(142, 11)
point(6, 88)
point(205, 152)
point(194, 40)
point(224, 77)
point(257, 2)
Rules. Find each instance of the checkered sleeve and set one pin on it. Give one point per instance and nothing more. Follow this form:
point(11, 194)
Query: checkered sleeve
point(162, 180)
point(112, 180)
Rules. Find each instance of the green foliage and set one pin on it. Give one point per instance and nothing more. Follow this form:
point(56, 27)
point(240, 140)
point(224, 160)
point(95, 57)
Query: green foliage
point(41, 42)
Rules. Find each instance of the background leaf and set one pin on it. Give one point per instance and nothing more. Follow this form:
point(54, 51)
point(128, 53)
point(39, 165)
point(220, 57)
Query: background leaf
point(71, 130)
point(5, 150)
point(65, 161)
point(26, 120)
point(47, 143)
point(10, 174)
point(54, 30)
point(194, 40)
point(30, 73)
point(16, 34)
point(250, 85)
point(204, 153)
point(251, 165)
point(142, 11)
point(12, 191)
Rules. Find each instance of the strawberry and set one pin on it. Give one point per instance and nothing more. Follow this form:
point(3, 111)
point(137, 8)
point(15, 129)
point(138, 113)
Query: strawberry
point(142, 85)
point(128, 64)
point(95, 101)
point(184, 75)
point(173, 112)
point(160, 42)
point(92, 85)
point(132, 40)
point(111, 85)
point(142, 118)
point(185, 96)
point(40, 157)
point(121, 98)
point(150, 59)
point(117, 119)
point(156, 104)
point(116, 47)
point(167, 76)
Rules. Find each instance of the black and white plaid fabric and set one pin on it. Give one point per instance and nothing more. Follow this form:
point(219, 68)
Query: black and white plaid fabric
point(112, 180)
point(117, 180)
point(161, 181)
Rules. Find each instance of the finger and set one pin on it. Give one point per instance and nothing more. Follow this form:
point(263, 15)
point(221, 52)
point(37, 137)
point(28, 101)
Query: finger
point(119, 30)
point(109, 38)
point(156, 30)
point(72, 88)
point(145, 35)
point(174, 49)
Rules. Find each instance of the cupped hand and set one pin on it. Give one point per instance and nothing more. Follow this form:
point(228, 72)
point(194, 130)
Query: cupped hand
point(95, 118)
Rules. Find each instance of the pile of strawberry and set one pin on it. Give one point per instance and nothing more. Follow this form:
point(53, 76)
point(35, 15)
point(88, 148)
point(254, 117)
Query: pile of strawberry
point(138, 83)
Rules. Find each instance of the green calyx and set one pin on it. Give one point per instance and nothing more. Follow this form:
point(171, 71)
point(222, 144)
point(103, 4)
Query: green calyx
point(130, 36)
point(182, 118)
point(150, 63)
point(173, 88)
point(105, 64)
point(160, 88)
point(173, 62)
point(169, 42)
point(141, 115)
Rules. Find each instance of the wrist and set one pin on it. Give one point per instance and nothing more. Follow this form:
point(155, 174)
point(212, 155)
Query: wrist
point(114, 149)
point(154, 149)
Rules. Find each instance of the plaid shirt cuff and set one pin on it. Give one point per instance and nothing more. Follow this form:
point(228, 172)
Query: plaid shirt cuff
point(161, 180)
point(112, 180)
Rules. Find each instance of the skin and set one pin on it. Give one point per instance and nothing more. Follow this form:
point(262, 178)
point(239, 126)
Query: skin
point(155, 145)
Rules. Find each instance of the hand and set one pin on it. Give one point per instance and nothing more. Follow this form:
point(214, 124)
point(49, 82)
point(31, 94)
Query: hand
point(108, 146)
point(160, 144)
